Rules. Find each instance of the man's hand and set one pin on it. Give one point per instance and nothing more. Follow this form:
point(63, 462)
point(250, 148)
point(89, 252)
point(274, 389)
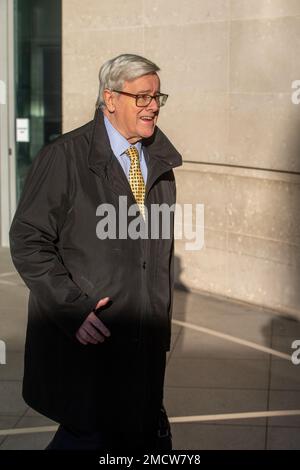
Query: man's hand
point(93, 329)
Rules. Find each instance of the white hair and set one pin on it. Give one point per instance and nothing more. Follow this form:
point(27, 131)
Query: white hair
point(115, 72)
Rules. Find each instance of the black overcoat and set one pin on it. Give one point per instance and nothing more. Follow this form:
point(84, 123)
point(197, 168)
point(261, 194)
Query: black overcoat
point(68, 268)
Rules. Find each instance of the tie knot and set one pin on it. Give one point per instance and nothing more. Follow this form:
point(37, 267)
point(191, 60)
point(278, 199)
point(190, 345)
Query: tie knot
point(132, 152)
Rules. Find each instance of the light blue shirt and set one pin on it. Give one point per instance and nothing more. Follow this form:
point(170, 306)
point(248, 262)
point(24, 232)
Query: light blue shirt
point(119, 146)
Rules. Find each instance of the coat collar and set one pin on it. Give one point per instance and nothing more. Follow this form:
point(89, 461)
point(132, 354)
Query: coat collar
point(162, 156)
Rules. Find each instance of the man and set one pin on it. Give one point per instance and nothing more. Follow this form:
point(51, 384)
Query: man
point(100, 306)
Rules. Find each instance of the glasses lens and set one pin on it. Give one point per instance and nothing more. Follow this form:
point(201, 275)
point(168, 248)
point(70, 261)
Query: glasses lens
point(143, 100)
point(162, 100)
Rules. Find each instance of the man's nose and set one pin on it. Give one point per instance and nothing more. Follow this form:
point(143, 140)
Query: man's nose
point(153, 105)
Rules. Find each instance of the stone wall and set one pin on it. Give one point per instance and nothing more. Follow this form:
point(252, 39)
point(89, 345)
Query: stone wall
point(228, 67)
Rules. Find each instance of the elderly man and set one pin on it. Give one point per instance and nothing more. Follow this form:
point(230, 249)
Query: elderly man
point(99, 313)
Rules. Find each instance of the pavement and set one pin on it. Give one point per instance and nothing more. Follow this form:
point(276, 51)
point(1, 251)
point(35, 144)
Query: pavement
point(230, 381)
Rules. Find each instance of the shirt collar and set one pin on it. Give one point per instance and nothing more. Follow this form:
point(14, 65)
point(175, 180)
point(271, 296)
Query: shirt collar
point(118, 143)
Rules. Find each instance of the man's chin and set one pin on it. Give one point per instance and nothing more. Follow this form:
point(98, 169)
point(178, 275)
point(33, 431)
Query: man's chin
point(148, 133)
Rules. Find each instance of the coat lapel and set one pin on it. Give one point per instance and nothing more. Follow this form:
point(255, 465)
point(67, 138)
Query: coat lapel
point(102, 161)
point(161, 157)
point(118, 180)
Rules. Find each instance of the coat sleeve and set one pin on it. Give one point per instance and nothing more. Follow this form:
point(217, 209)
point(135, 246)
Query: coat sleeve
point(34, 236)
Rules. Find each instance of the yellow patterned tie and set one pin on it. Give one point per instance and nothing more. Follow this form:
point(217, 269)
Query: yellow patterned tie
point(136, 179)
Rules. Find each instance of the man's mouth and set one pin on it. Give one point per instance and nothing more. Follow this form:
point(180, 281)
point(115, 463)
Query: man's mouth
point(147, 118)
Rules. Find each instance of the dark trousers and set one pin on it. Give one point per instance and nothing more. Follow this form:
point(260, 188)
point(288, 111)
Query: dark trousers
point(161, 441)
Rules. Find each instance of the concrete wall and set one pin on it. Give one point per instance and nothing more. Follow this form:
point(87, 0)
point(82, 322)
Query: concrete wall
point(228, 67)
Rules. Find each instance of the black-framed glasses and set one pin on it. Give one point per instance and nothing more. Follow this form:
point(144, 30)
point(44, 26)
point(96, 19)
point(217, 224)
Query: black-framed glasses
point(144, 100)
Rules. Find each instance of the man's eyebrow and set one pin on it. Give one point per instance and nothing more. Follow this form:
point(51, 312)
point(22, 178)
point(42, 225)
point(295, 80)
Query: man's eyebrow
point(145, 91)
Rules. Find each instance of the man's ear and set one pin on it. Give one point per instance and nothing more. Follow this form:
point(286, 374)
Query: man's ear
point(109, 100)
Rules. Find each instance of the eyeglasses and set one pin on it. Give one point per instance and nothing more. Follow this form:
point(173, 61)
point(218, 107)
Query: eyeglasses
point(144, 100)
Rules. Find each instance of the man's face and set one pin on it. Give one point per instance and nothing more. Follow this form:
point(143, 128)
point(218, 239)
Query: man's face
point(133, 122)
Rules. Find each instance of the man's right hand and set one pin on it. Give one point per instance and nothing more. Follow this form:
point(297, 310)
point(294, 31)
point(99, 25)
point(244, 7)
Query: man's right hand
point(93, 329)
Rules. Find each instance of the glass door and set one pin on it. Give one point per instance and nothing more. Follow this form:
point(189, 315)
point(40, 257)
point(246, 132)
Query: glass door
point(38, 108)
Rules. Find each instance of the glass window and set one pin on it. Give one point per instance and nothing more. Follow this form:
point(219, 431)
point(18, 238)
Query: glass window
point(38, 79)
